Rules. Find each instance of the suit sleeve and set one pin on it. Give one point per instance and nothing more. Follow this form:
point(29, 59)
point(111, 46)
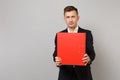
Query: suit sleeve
point(89, 46)
point(55, 48)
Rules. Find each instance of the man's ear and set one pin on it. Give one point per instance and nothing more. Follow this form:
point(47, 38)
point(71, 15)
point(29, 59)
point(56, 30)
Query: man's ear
point(78, 17)
point(64, 17)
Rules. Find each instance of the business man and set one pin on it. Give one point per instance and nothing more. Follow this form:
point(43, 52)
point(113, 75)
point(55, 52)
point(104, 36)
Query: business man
point(75, 72)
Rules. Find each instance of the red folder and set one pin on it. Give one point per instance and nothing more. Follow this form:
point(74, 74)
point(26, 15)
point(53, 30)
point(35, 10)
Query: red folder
point(71, 48)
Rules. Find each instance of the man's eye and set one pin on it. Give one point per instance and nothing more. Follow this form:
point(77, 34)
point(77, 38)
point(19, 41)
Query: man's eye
point(67, 17)
point(73, 16)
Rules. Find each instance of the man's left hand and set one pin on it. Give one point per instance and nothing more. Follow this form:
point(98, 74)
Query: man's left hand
point(86, 59)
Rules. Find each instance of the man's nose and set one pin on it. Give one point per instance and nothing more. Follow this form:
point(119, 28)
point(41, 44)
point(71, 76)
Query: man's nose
point(70, 18)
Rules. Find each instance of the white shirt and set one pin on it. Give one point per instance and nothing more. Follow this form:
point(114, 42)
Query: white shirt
point(75, 30)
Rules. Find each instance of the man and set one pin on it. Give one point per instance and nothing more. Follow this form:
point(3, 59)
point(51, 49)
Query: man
point(75, 72)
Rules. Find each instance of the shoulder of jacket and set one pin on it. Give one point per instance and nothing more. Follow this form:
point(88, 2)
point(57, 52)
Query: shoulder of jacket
point(84, 30)
point(65, 30)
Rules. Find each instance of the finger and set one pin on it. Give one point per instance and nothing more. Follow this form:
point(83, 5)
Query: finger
point(85, 58)
point(85, 55)
point(57, 58)
point(58, 64)
point(58, 61)
point(85, 64)
point(85, 61)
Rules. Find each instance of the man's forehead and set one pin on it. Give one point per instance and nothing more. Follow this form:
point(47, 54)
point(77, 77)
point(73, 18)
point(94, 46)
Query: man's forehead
point(70, 13)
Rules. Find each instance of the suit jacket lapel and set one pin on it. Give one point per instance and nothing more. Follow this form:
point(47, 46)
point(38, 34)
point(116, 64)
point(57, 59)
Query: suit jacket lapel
point(65, 30)
point(79, 30)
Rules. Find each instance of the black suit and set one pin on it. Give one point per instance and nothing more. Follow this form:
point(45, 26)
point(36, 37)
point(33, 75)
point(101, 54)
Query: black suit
point(69, 72)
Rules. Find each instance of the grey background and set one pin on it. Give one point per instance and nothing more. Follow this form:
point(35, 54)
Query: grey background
point(28, 27)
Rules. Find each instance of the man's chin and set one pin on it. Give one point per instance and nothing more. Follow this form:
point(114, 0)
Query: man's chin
point(71, 26)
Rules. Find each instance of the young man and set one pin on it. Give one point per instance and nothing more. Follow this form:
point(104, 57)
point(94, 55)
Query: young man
point(75, 72)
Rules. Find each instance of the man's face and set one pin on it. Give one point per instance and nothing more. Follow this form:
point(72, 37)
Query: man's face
point(71, 18)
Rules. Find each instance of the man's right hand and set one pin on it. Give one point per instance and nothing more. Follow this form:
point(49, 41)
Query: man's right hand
point(58, 61)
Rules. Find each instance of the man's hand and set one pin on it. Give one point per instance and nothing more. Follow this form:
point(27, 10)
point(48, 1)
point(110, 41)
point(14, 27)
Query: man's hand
point(58, 61)
point(86, 59)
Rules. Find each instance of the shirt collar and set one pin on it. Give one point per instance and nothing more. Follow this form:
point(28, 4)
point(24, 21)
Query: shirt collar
point(75, 30)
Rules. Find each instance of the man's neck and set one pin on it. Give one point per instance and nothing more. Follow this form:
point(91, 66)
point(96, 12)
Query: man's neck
point(72, 30)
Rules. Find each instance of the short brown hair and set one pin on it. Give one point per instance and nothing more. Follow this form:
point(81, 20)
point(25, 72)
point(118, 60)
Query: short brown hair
point(70, 8)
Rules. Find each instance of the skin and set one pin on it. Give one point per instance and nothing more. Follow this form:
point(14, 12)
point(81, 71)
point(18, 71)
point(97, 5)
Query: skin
point(71, 18)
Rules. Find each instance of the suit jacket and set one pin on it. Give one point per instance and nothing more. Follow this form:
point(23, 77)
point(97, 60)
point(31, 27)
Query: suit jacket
point(82, 72)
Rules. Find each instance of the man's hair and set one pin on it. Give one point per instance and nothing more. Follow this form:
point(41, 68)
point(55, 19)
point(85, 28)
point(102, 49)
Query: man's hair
point(70, 8)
